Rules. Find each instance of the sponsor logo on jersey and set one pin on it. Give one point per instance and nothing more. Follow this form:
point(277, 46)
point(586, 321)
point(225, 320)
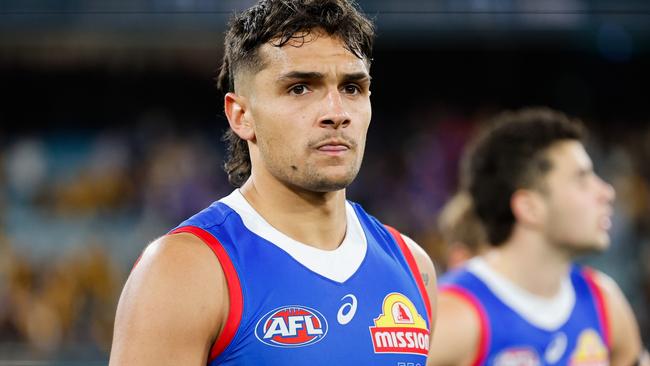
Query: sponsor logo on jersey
point(590, 350)
point(556, 349)
point(517, 356)
point(347, 310)
point(291, 326)
point(400, 328)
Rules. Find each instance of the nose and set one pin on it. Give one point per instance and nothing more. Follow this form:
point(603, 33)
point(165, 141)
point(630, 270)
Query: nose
point(334, 114)
point(608, 193)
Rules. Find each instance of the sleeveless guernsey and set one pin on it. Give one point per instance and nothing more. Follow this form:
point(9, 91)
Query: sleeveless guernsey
point(292, 304)
point(519, 329)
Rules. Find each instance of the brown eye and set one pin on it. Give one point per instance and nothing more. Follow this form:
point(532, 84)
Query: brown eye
point(352, 89)
point(299, 89)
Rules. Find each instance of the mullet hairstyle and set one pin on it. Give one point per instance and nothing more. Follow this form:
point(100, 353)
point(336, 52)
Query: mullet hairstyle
point(278, 22)
point(511, 154)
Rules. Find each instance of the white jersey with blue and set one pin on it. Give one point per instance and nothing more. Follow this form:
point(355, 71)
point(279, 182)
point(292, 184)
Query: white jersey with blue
point(520, 329)
point(292, 304)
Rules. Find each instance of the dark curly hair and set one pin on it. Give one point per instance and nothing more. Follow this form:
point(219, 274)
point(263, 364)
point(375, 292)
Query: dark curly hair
point(511, 154)
point(278, 22)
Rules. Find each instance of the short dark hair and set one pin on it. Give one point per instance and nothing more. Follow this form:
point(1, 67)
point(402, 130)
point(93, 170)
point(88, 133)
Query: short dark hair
point(511, 154)
point(278, 22)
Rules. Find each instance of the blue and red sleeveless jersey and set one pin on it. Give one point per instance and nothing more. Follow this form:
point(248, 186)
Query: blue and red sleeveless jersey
point(509, 338)
point(286, 310)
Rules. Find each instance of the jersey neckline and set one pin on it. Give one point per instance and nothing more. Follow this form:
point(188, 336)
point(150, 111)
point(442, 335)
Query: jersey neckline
point(337, 265)
point(545, 313)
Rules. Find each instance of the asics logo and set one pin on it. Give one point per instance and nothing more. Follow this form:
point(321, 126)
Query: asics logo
point(556, 348)
point(347, 310)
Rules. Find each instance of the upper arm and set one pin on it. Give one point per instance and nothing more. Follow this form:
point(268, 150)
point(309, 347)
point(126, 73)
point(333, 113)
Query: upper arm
point(428, 274)
point(624, 331)
point(457, 333)
point(173, 305)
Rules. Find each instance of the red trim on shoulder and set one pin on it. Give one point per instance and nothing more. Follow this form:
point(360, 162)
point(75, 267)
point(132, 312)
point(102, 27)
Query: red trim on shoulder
point(137, 261)
point(601, 305)
point(484, 336)
point(234, 288)
point(414, 268)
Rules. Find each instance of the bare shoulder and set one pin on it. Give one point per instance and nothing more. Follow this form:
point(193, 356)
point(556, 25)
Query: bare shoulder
point(428, 274)
point(605, 282)
point(425, 265)
point(623, 328)
point(172, 306)
point(457, 335)
point(616, 304)
point(180, 263)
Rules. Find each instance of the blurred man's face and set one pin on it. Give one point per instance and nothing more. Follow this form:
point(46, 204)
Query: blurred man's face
point(310, 106)
point(579, 202)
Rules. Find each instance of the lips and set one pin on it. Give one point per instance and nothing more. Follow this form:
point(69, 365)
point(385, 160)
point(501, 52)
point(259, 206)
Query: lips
point(333, 145)
point(333, 148)
point(605, 221)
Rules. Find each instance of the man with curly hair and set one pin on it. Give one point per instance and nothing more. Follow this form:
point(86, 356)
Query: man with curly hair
point(524, 301)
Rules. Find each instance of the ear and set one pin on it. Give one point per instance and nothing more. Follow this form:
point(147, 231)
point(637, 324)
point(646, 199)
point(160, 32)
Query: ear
point(529, 207)
point(239, 118)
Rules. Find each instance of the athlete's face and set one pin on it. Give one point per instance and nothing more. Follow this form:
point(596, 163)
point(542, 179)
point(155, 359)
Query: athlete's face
point(579, 203)
point(310, 110)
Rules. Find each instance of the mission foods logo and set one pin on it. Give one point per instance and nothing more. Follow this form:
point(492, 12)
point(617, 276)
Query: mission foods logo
point(400, 328)
point(291, 326)
point(590, 350)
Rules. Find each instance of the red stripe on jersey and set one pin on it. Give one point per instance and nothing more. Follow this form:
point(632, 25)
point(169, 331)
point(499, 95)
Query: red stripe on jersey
point(601, 306)
point(234, 288)
point(484, 336)
point(414, 269)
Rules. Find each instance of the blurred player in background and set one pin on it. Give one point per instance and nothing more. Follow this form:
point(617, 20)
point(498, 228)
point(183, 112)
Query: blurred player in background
point(524, 301)
point(285, 271)
point(461, 230)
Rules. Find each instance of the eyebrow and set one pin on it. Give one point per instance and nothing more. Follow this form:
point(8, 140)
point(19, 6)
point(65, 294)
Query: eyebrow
point(357, 76)
point(312, 75)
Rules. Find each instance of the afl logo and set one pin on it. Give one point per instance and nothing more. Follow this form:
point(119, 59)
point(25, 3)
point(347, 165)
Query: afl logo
point(291, 326)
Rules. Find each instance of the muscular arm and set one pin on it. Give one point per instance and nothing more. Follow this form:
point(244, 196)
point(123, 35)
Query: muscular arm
point(457, 333)
point(428, 273)
point(454, 324)
point(624, 331)
point(172, 307)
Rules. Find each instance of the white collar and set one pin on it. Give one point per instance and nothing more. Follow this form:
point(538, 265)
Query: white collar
point(338, 265)
point(545, 313)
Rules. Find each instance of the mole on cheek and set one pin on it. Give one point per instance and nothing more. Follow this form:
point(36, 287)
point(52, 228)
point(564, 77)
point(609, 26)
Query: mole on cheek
point(294, 168)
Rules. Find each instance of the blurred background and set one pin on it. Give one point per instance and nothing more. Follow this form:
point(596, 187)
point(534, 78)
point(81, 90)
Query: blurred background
point(110, 129)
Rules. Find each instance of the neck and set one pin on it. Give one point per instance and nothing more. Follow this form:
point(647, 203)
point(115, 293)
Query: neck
point(528, 260)
point(317, 219)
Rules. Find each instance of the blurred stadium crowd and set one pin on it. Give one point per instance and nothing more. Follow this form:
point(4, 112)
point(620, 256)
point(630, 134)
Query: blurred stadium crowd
point(76, 212)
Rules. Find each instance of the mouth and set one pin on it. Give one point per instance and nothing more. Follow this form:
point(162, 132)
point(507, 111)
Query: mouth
point(336, 142)
point(333, 147)
point(605, 221)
